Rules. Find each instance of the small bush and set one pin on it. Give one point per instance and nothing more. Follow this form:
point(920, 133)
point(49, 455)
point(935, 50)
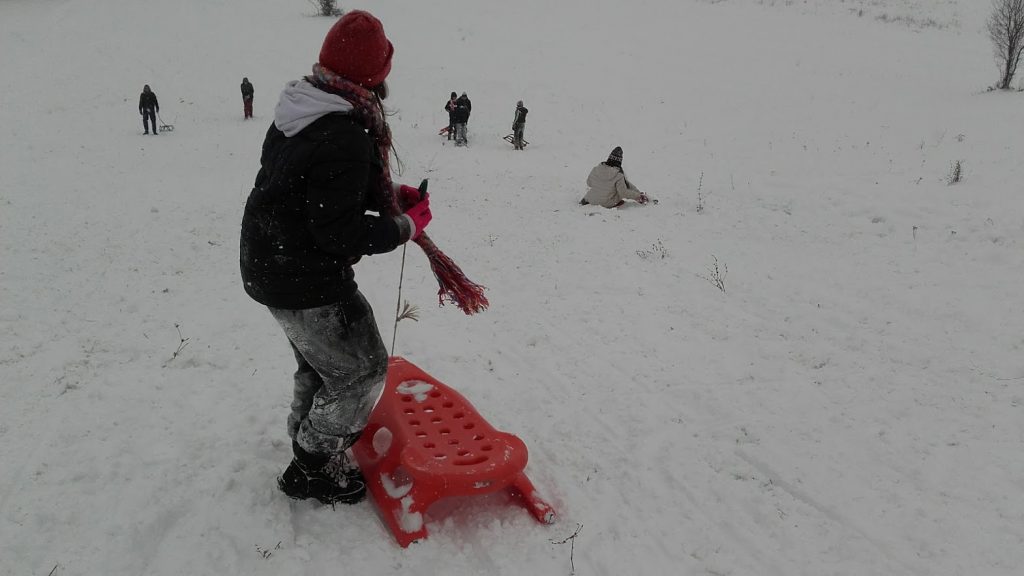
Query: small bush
point(716, 274)
point(956, 173)
point(657, 251)
point(700, 194)
point(326, 7)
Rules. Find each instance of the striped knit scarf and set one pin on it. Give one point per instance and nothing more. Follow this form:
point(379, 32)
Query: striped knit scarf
point(369, 112)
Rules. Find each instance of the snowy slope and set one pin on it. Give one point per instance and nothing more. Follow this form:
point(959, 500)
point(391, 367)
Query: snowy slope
point(852, 403)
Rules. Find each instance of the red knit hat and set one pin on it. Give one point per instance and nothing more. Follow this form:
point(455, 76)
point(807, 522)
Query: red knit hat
point(356, 49)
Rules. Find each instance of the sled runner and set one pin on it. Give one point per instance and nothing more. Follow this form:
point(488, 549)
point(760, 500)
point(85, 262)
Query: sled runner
point(511, 140)
point(164, 127)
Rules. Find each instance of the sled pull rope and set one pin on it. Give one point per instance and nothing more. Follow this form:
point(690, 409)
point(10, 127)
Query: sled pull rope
point(401, 275)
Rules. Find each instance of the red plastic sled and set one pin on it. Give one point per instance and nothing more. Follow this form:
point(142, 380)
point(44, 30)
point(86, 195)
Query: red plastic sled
point(425, 442)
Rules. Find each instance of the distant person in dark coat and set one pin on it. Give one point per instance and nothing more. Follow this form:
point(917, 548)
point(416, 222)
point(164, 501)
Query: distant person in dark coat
point(462, 109)
point(247, 93)
point(519, 125)
point(148, 108)
point(450, 108)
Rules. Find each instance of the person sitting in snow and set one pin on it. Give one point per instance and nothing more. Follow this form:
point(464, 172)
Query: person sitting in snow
point(323, 199)
point(519, 125)
point(148, 108)
point(608, 186)
point(247, 94)
point(449, 107)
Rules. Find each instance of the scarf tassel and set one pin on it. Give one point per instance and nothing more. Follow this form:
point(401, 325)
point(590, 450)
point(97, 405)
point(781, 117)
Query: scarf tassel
point(453, 285)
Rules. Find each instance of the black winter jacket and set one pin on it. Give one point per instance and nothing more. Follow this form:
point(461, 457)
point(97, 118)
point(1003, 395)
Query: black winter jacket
point(147, 101)
point(305, 222)
point(247, 90)
point(462, 109)
point(520, 118)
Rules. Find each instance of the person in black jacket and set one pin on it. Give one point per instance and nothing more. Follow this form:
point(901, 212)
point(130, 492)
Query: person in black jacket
point(519, 125)
point(308, 219)
point(148, 108)
point(462, 109)
point(449, 107)
point(247, 94)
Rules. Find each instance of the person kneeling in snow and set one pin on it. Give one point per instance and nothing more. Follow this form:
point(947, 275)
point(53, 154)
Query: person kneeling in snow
point(608, 185)
point(309, 218)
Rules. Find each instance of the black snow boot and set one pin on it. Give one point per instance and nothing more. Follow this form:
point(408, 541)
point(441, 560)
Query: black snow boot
point(329, 480)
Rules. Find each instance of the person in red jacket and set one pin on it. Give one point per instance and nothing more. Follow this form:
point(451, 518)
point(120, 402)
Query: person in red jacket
point(323, 199)
point(247, 94)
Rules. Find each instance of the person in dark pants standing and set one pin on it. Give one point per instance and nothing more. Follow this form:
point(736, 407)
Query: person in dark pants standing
point(148, 108)
point(247, 93)
point(519, 125)
point(450, 108)
point(462, 109)
point(323, 199)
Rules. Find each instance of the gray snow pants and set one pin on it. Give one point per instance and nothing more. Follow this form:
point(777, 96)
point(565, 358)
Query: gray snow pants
point(460, 133)
point(342, 364)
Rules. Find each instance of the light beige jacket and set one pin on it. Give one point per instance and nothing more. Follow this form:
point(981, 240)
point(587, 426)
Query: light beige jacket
point(607, 186)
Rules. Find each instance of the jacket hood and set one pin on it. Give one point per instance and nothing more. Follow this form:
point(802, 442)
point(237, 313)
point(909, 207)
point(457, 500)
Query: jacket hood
point(302, 103)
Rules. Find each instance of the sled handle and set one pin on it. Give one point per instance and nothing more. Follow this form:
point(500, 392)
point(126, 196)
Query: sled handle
point(423, 189)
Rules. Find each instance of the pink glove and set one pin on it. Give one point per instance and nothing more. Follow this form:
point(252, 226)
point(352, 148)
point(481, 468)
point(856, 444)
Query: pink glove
point(408, 196)
point(419, 215)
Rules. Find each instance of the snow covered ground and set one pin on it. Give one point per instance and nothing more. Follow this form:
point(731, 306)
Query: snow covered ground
point(851, 403)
